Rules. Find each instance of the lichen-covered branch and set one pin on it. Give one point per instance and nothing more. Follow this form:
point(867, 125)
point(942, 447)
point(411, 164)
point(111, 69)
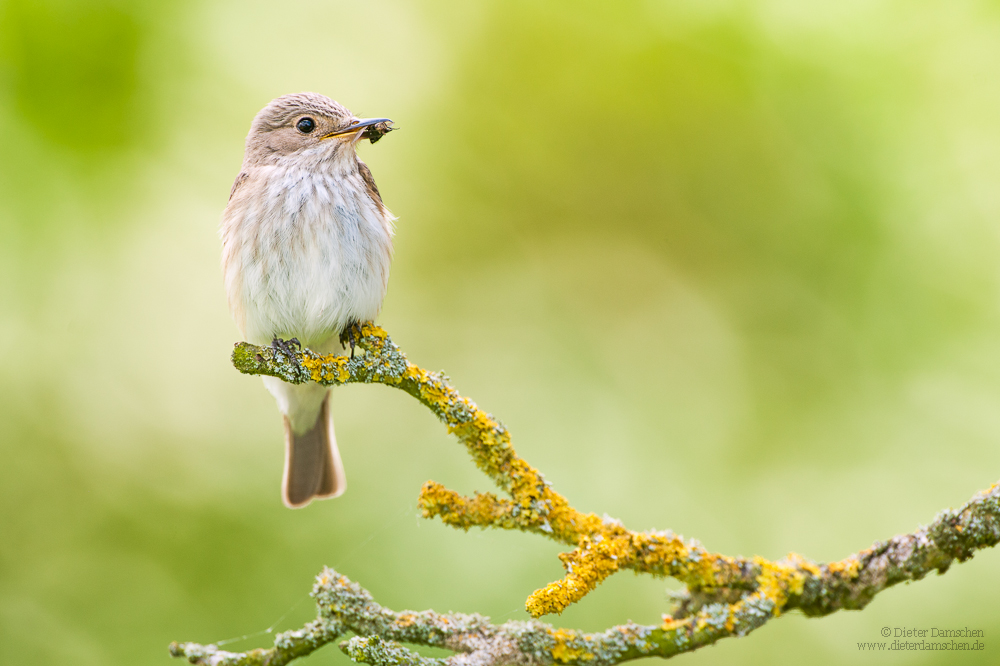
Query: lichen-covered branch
point(725, 596)
point(379, 634)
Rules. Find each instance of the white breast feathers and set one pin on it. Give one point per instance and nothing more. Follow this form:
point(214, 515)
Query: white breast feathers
point(306, 251)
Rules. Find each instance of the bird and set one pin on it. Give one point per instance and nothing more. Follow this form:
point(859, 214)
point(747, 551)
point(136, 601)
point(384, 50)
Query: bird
point(306, 252)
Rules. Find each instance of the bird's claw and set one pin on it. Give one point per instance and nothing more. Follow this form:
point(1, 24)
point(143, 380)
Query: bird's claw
point(351, 335)
point(285, 347)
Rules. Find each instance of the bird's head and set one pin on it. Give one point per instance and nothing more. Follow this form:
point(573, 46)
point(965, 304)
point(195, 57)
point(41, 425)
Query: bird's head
point(308, 123)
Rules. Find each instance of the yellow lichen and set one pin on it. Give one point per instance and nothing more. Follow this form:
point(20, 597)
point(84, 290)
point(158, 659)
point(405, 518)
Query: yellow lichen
point(669, 623)
point(587, 566)
point(731, 618)
point(848, 568)
point(800, 562)
point(777, 581)
point(327, 368)
point(563, 652)
point(370, 330)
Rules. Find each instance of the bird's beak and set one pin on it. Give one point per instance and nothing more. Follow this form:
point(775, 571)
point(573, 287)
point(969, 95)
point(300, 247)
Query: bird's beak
point(356, 126)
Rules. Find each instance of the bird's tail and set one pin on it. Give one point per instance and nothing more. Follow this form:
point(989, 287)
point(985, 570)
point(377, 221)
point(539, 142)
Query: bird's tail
point(312, 462)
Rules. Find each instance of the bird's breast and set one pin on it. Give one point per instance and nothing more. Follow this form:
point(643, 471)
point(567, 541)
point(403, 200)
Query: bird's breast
point(304, 254)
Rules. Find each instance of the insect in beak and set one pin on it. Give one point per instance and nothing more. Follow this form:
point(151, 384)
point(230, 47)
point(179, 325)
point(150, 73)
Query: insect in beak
point(372, 129)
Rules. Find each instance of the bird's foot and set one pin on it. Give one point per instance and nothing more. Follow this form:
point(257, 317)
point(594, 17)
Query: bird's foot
point(285, 347)
point(351, 335)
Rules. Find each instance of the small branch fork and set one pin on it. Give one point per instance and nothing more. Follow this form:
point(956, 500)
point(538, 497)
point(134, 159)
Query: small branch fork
point(725, 596)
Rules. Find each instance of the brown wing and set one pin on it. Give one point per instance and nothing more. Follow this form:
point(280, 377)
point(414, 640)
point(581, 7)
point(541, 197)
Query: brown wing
point(366, 175)
point(240, 179)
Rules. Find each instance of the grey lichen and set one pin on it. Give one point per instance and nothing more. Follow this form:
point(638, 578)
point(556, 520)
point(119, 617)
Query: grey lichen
point(373, 650)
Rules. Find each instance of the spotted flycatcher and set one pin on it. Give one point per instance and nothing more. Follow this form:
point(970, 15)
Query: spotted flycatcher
point(306, 248)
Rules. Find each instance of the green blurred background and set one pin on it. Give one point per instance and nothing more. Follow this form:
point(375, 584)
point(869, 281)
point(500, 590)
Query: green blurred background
point(726, 267)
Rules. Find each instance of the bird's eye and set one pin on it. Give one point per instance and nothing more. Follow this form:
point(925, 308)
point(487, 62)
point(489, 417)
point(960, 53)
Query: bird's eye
point(306, 125)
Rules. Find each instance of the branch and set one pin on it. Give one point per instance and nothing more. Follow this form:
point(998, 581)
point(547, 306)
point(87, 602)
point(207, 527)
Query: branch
point(725, 596)
point(344, 605)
